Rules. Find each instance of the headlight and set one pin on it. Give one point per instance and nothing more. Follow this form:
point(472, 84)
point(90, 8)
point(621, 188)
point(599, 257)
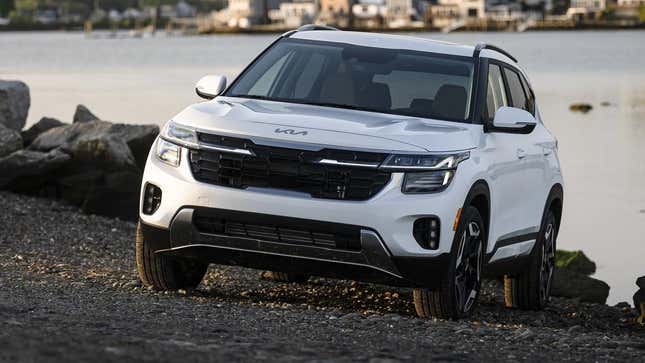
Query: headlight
point(168, 152)
point(425, 173)
point(179, 134)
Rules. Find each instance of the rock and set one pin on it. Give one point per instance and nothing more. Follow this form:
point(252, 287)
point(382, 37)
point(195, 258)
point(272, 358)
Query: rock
point(10, 141)
point(83, 114)
point(105, 153)
point(105, 161)
point(70, 134)
point(26, 168)
point(139, 139)
point(572, 284)
point(14, 104)
point(639, 301)
point(575, 261)
point(581, 107)
point(114, 195)
point(45, 123)
point(640, 282)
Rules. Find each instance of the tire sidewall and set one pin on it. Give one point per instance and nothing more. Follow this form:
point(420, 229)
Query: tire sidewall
point(469, 214)
point(536, 258)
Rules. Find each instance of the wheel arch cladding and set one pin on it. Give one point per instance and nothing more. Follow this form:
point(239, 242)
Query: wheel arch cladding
point(555, 202)
point(479, 197)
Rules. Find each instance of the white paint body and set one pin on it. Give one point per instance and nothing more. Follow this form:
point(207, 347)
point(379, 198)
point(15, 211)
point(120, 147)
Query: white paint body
point(520, 169)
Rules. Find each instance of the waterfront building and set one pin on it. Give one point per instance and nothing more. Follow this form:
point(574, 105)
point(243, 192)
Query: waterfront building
point(399, 13)
point(585, 9)
point(369, 13)
point(455, 13)
point(294, 14)
point(335, 12)
point(241, 13)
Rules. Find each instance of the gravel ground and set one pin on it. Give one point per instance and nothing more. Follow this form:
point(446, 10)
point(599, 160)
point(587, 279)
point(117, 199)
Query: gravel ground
point(69, 291)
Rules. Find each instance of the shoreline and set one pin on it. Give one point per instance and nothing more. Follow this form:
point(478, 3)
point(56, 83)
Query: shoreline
point(278, 30)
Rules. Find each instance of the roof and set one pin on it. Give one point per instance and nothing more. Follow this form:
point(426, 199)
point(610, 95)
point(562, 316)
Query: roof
point(391, 41)
point(387, 41)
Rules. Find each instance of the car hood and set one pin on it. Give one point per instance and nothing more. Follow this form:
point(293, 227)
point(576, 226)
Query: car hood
point(315, 127)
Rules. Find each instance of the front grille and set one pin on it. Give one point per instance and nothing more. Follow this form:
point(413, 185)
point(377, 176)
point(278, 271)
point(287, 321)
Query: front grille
point(288, 169)
point(278, 229)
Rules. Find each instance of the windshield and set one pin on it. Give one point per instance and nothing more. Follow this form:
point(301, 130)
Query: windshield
point(392, 81)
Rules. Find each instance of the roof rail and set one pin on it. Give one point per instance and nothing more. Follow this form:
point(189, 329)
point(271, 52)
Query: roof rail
point(481, 46)
point(315, 27)
point(308, 27)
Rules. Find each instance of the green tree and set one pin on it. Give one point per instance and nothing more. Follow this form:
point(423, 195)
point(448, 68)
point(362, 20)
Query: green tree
point(6, 6)
point(26, 6)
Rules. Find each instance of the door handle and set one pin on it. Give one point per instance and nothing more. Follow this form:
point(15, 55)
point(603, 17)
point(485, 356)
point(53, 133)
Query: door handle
point(521, 153)
point(547, 151)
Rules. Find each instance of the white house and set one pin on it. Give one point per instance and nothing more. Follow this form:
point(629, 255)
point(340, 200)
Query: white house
point(630, 3)
point(451, 11)
point(241, 13)
point(294, 14)
point(580, 9)
point(398, 13)
point(369, 13)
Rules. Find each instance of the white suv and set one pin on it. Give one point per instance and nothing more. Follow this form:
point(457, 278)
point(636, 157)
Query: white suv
point(378, 158)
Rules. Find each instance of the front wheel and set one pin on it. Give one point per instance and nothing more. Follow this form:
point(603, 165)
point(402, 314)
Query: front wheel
point(459, 289)
point(164, 272)
point(531, 289)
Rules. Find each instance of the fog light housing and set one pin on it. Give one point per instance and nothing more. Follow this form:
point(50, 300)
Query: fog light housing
point(151, 198)
point(427, 232)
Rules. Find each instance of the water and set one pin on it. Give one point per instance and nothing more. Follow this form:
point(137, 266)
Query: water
point(602, 152)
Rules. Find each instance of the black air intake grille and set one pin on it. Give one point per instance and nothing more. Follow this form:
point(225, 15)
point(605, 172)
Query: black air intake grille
point(288, 169)
point(278, 229)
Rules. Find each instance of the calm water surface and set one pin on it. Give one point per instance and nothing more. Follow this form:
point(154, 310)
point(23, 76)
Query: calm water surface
point(603, 152)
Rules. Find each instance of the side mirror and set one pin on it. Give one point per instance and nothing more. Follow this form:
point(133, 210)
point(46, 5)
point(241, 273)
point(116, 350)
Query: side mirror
point(210, 86)
point(513, 118)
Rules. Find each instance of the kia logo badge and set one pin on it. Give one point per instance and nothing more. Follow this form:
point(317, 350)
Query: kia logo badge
point(290, 132)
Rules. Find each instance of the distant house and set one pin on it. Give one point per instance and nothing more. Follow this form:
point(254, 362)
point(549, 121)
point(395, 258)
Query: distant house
point(334, 12)
point(504, 12)
point(585, 9)
point(630, 3)
point(369, 13)
point(447, 12)
point(399, 13)
point(294, 14)
point(241, 13)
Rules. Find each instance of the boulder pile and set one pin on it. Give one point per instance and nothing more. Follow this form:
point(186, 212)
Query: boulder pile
point(91, 163)
point(639, 299)
point(572, 278)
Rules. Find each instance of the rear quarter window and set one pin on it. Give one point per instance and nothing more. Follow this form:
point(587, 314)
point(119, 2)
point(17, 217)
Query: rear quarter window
point(519, 98)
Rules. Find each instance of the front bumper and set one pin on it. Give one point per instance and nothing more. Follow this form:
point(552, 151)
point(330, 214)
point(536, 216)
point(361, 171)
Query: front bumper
point(372, 262)
point(390, 213)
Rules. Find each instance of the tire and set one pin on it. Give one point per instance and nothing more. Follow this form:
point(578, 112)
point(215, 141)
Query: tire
point(286, 277)
point(531, 289)
point(459, 289)
point(164, 272)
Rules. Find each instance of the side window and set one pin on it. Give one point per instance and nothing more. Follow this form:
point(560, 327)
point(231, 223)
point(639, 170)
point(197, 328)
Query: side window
point(518, 96)
point(496, 93)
